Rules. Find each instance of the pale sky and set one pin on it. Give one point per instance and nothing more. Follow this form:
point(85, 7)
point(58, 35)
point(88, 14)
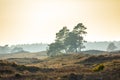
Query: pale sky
point(36, 21)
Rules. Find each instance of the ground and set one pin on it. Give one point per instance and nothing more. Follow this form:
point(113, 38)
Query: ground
point(65, 67)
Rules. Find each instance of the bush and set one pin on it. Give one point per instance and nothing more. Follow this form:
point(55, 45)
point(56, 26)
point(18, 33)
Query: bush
point(14, 64)
point(28, 68)
point(21, 67)
point(99, 67)
point(32, 69)
point(18, 75)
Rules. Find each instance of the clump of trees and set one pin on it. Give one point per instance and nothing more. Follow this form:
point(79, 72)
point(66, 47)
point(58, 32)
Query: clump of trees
point(68, 41)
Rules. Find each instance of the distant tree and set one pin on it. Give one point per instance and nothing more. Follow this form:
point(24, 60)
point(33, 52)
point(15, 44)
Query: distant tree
point(58, 46)
point(60, 38)
point(75, 38)
point(111, 47)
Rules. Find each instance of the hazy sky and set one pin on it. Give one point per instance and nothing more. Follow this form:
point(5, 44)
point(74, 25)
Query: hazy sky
point(35, 21)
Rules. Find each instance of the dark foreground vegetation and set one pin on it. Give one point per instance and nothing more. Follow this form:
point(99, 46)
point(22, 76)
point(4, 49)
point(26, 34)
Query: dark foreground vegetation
point(65, 67)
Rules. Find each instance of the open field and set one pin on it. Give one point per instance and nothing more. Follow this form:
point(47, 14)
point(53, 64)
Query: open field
point(64, 67)
point(39, 55)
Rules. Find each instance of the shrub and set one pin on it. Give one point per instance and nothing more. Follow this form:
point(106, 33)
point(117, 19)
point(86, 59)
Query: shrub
point(28, 68)
point(32, 69)
point(18, 75)
point(99, 67)
point(21, 67)
point(14, 64)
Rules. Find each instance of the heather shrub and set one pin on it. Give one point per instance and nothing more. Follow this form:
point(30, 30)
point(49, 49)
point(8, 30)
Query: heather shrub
point(18, 75)
point(6, 70)
point(99, 67)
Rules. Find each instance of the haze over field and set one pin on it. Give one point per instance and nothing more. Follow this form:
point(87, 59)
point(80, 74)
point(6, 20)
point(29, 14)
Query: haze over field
point(32, 21)
point(59, 39)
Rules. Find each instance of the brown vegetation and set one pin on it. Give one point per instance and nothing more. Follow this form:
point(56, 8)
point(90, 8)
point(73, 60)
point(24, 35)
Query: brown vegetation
point(65, 67)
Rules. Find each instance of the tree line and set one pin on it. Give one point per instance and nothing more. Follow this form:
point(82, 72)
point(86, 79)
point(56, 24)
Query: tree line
point(68, 41)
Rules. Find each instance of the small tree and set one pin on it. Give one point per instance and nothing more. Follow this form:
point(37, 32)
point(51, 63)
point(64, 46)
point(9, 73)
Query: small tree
point(111, 47)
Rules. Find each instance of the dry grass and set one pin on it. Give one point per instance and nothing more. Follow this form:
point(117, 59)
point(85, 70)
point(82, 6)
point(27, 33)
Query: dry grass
point(66, 67)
